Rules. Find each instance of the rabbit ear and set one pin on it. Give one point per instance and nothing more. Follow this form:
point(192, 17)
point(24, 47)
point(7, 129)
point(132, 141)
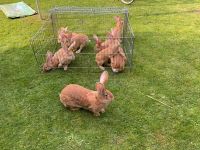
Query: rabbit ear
point(109, 34)
point(95, 37)
point(100, 88)
point(117, 18)
point(49, 55)
point(104, 77)
point(66, 29)
point(97, 40)
point(61, 30)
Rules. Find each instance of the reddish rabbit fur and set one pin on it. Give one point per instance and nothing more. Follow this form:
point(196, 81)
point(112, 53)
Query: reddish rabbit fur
point(75, 96)
point(110, 48)
point(62, 58)
point(72, 41)
point(102, 45)
point(118, 61)
point(104, 55)
point(62, 38)
point(98, 44)
point(117, 30)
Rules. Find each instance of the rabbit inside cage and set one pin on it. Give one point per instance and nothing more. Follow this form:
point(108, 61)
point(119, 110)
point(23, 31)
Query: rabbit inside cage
point(87, 39)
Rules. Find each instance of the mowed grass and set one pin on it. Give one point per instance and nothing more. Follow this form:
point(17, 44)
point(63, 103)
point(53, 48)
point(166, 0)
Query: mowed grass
point(166, 69)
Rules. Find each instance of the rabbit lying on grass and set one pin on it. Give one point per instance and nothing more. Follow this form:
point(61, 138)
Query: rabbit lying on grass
point(62, 58)
point(75, 96)
point(72, 41)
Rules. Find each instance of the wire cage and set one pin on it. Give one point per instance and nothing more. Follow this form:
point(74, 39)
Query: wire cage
point(43, 8)
point(88, 21)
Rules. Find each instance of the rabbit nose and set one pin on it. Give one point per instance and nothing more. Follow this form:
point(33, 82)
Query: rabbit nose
point(112, 97)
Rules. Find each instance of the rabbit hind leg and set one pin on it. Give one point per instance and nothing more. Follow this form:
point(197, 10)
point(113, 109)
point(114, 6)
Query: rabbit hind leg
point(81, 47)
point(100, 65)
point(67, 101)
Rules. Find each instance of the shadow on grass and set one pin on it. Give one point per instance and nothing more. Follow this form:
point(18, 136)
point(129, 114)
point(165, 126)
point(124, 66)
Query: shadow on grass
point(171, 13)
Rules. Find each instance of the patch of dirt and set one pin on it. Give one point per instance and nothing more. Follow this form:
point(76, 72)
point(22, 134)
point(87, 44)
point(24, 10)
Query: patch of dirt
point(160, 138)
point(197, 11)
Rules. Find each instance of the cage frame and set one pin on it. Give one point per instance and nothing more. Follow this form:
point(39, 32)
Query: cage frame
point(86, 10)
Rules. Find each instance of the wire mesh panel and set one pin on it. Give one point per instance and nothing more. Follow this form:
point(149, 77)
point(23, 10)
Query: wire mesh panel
point(88, 21)
point(43, 8)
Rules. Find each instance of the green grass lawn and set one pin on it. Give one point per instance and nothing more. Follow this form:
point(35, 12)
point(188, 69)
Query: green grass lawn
point(166, 69)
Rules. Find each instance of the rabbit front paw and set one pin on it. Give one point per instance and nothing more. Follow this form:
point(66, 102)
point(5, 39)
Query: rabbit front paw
point(102, 110)
point(96, 114)
point(101, 67)
point(65, 68)
point(59, 65)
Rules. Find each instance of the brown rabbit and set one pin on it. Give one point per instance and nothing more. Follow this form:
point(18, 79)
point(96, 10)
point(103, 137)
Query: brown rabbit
point(72, 41)
point(100, 45)
point(62, 58)
point(117, 30)
point(75, 96)
point(104, 55)
point(61, 34)
point(118, 61)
